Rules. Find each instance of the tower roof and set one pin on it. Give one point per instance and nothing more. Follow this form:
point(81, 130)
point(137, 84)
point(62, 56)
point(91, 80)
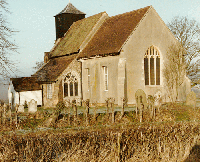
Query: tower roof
point(70, 9)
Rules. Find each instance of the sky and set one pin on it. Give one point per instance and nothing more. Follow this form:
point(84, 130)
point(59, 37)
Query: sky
point(34, 20)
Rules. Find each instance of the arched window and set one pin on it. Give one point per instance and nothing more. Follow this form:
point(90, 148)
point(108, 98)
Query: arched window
point(152, 66)
point(70, 85)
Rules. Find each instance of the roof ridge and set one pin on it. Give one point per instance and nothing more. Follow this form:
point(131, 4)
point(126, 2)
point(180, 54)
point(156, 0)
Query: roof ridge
point(131, 11)
point(78, 21)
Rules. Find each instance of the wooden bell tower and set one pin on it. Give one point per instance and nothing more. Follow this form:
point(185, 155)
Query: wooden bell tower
point(65, 19)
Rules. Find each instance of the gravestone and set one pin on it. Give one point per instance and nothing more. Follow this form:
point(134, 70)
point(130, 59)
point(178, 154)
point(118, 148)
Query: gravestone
point(151, 106)
point(32, 106)
point(191, 99)
point(141, 102)
point(20, 109)
point(87, 104)
point(141, 98)
point(158, 99)
point(112, 101)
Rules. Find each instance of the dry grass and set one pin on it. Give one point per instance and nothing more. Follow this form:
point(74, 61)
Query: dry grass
point(169, 137)
point(143, 142)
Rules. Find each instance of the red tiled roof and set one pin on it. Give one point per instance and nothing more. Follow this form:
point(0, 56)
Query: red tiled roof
point(53, 68)
point(113, 33)
point(25, 84)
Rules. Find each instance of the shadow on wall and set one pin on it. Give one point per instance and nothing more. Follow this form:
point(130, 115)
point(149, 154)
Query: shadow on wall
point(194, 155)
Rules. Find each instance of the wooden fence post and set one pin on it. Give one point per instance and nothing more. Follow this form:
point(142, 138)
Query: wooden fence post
point(75, 111)
point(16, 115)
point(10, 114)
point(87, 104)
point(4, 113)
point(107, 106)
point(69, 113)
point(113, 109)
point(123, 105)
point(137, 104)
point(95, 112)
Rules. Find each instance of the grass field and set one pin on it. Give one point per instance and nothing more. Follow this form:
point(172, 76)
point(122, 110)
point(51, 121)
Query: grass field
point(173, 135)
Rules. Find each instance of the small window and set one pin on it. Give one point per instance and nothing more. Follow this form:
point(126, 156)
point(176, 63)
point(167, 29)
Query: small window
point(49, 91)
point(105, 69)
point(88, 77)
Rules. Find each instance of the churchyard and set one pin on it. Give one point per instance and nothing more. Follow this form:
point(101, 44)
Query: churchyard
point(149, 131)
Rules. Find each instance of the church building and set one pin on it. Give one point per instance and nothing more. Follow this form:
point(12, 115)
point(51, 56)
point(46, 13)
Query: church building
point(100, 57)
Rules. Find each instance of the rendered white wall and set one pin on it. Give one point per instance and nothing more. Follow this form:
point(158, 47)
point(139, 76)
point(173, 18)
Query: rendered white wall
point(29, 95)
point(22, 96)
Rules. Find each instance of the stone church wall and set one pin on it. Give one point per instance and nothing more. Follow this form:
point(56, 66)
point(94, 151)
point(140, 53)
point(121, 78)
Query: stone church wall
point(96, 92)
point(151, 31)
point(57, 87)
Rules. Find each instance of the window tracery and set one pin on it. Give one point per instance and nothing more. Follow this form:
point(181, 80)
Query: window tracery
point(152, 66)
point(70, 85)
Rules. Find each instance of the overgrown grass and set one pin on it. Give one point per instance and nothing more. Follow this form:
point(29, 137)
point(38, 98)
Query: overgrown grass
point(168, 137)
point(141, 142)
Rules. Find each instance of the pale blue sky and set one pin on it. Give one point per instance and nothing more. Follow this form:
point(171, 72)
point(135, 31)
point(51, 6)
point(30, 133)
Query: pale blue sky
point(36, 25)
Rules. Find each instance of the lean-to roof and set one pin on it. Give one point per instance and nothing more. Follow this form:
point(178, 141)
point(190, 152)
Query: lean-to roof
point(113, 33)
point(25, 84)
point(54, 68)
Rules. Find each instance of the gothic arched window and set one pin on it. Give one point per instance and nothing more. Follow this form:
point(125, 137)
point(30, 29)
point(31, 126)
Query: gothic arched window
point(152, 66)
point(70, 85)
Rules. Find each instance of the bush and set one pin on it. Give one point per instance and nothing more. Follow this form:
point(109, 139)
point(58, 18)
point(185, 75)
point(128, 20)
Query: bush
point(59, 107)
point(25, 104)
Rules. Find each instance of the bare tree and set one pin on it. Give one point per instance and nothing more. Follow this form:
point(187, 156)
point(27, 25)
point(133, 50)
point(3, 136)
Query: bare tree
point(7, 47)
point(174, 71)
point(39, 64)
point(188, 34)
